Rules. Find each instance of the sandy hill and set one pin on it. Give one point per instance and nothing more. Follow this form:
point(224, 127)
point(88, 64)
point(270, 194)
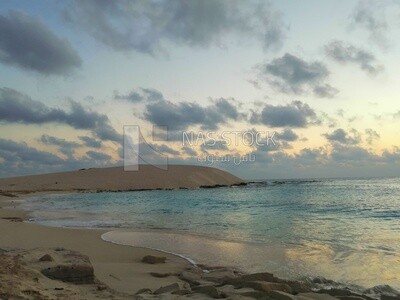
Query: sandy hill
point(115, 179)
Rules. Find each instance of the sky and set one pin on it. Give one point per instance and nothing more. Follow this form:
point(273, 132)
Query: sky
point(278, 89)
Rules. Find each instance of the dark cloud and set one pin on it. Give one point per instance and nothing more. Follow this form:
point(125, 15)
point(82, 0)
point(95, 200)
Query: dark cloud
point(352, 154)
point(189, 151)
point(147, 26)
point(26, 42)
point(344, 53)
point(214, 145)
point(21, 151)
point(295, 114)
point(18, 158)
point(372, 135)
point(65, 147)
point(392, 156)
point(139, 95)
point(325, 91)
point(91, 142)
point(98, 155)
point(52, 140)
point(291, 74)
point(341, 136)
point(308, 156)
point(162, 148)
point(287, 135)
point(181, 115)
point(368, 15)
point(19, 108)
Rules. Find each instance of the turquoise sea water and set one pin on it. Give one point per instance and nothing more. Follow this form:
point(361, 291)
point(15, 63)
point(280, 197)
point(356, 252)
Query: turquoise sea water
point(346, 230)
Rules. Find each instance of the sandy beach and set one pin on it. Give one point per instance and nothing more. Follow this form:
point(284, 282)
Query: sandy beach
point(116, 179)
point(39, 262)
point(119, 267)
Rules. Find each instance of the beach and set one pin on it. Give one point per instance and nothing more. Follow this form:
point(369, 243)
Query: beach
point(119, 271)
point(118, 266)
point(117, 179)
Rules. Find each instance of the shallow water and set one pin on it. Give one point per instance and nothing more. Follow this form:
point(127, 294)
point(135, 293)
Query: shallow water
point(346, 230)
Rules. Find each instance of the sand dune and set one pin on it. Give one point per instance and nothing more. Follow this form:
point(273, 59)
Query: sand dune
point(115, 179)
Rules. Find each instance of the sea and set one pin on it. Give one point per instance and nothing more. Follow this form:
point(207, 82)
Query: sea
point(347, 230)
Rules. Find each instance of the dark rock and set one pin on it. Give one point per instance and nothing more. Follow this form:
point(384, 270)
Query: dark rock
point(14, 219)
point(390, 297)
point(278, 295)
point(78, 274)
point(208, 290)
point(336, 292)
point(350, 297)
point(46, 257)
point(101, 287)
point(168, 289)
point(150, 259)
point(251, 277)
point(160, 275)
point(181, 292)
point(381, 289)
point(297, 286)
point(255, 295)
point(317, 296)
point(144, 291)
point(321, 280)
point(239, 184)
point(343, 293)
point(267, 286)
point(5, 194)
point(220, 275)
point(192, 278)
point(213, 186)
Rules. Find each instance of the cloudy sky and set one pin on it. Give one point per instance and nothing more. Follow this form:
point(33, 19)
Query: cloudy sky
point(323, 75)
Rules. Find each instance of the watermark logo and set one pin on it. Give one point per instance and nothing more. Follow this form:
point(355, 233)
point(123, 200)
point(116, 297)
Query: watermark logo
point(138, 151)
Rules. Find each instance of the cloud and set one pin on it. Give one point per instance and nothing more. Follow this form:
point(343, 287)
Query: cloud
point(18, 158)
point(52, 140)
point(295, 114)
point(90, 142)
point(98, 155)
point(63, 145)
point(165, 149)
point(368, 16)
point(345, 53)
point(352, 154)
point(181, 115)
point(287, 135)
point(189, 151)
point(325, 91)
point(341, 136)
point(392, 156)
point(214, 145)
point(16, 107)
point(372, 135)
point(21, 151)
point(139, 95)
point(26, 42)
point(147, 26)
point(291, 74)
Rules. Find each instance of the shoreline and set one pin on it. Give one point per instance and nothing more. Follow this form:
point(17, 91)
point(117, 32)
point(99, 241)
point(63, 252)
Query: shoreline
point(110, 262)
point(118, 266)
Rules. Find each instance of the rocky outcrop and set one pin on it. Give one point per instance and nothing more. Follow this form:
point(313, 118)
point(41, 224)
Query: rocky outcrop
point(78, 274)
point(24, 276)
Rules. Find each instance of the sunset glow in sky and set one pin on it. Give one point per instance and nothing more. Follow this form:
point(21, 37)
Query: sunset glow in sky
point(323, 75)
